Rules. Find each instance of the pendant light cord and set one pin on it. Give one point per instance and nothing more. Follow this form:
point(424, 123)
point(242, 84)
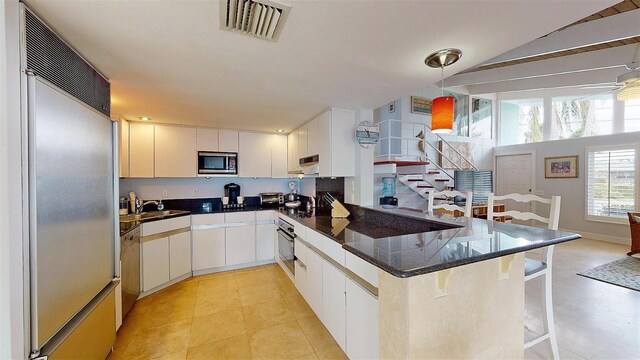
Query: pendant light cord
point(442, 81)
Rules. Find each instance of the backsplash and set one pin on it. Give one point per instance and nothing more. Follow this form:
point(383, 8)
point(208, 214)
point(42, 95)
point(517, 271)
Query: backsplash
point(333, 186)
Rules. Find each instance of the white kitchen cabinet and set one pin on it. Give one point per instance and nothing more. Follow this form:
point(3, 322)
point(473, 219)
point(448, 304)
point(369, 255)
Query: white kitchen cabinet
point(265, 237)
point(361, 323)
point(208, 248)
point(300, 279)
point(303, 150)
point(313, 141)
point(175, 151)
point(314, 281)
point(141, 150)
point(240, 244)
point(292, 151)
point(207, 139)
point(155, 263)
point(123, 141)
point(228, 141)
point(333, 302)
point(337, 153)
point(279, 156)
point(254, 155)
point(179, 255)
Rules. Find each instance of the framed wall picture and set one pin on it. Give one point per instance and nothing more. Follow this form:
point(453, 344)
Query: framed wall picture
point(420, 105)
point(561, 167)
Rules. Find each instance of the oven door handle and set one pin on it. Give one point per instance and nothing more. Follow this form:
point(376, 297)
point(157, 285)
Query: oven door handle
point(286, 235)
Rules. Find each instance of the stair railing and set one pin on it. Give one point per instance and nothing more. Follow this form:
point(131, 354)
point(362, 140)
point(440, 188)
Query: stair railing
point(462, 157)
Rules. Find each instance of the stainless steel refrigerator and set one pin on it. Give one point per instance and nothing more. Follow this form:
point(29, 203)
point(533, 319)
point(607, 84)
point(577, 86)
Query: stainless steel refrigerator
point(72, 186)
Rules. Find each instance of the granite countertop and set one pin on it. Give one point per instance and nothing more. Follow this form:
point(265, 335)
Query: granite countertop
point(393, 240)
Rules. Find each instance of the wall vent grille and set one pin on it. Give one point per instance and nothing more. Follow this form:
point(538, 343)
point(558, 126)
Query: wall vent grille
point(263, 19)
point(51, 58)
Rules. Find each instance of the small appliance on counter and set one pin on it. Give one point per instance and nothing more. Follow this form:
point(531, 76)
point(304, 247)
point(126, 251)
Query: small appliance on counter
point(232, 199)
point(271, 199)
point(292, 200)
point(388, 199)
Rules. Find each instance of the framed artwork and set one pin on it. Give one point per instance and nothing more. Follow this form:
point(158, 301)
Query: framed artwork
point(420, 105)
point(561, 167)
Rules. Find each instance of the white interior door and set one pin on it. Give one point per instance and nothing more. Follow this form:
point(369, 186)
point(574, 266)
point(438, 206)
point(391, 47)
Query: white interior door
point(514, 174)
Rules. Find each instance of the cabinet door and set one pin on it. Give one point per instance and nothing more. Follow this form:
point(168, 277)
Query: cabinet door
point(175, 151)
point(141, 150)
point(301, 279)
point(228, 140)
point(208, 248)
point(265, 238)
point(155, 263)
point(314, 281)
point(324, 145)
point(179, 254)
point(343, 143)
point(303, 150)
point(292, 151)
point(240, 245)
point(207, 139)
point(333, 301)
point(362, 323)
point(279, 156)
point(313, 139)
point(254, 156)
point(123, 141)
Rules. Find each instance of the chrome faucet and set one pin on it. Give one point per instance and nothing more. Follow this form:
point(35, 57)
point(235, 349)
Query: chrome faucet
point(140, 205)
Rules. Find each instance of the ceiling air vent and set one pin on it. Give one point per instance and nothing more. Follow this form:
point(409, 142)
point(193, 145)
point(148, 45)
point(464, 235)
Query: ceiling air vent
point(263, 19)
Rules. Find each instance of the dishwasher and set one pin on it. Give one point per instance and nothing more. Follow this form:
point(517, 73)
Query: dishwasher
point(130, 269)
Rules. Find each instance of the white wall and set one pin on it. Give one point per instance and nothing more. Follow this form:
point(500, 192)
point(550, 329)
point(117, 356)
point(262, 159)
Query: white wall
point(359, 190)
point(191, 188)
point(572, 214)
point(12, 311)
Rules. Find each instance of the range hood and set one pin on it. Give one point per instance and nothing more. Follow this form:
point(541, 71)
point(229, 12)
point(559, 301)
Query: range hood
point(310, 165)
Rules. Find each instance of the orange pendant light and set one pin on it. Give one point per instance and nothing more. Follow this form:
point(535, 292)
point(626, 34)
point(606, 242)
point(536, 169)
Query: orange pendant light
point(442, 107)
point(442, 114)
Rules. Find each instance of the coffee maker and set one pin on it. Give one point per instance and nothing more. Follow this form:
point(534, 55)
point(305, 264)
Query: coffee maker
point(232, 191)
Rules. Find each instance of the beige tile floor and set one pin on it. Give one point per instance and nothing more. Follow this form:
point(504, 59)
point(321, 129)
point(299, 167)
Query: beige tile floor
point(594, 320)
point(253, 313)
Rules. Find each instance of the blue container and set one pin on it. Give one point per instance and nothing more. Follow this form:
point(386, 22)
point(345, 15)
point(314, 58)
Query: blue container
point(389, 186)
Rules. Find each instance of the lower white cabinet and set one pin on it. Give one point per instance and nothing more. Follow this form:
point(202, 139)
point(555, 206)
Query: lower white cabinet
point(155, 263)
point(333, 302)
point(240, 244)
point(301, 278)
point(265, 238)
point(208, 248)
point(361, 323)
point(314, 281)
point(179, 254)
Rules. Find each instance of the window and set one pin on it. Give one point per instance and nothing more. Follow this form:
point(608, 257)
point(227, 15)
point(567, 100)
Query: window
point(460, 113)
point(481, 118)
point(521, 121)
point(576, 117)
point(632, 115)
point(611, 182)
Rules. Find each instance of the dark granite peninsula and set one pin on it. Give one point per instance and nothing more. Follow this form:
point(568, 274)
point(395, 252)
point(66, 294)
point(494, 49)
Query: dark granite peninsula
point(444, 287)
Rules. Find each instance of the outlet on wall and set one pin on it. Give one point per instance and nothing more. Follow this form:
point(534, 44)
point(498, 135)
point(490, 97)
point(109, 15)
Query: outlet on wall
point(195, 192)
point(165, 193)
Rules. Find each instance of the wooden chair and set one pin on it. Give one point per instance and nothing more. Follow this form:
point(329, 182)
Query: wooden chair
point(635, 232)
point(466, 210)
point(534, 268)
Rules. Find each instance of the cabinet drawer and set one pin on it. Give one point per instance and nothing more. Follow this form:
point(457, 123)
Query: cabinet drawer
point(314, 238)
point(300, 250)
point(207, 219)
point(333, 249)
point(362, 268)
point(239, 217)
point(266, 215)
point(165, 225)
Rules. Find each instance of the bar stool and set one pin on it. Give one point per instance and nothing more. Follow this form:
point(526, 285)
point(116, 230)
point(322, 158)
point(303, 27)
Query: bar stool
point(535, 268)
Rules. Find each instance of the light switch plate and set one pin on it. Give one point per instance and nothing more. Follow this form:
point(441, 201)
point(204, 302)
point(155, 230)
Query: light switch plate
point(165, 193)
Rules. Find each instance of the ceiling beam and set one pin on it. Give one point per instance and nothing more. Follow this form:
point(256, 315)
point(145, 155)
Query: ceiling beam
point(594, 60)
point(590, 78)
point(607, 29)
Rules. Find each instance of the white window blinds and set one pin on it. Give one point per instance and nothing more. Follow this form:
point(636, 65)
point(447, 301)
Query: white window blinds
point(611, 180)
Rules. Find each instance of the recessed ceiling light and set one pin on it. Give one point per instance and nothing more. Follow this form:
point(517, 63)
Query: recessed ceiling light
point(280, 130)
point(144, 118)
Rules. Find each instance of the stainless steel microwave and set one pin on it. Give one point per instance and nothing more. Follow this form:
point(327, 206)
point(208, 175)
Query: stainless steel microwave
point(217, 163)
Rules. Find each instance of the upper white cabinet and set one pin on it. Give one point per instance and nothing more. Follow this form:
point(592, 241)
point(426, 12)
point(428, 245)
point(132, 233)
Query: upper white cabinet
point(123, 142)
point(279, 156)
point(227, 140)
point(207, 139)
point(141, 150)
point(331, 137)
point(254, 156)
point(175, 151)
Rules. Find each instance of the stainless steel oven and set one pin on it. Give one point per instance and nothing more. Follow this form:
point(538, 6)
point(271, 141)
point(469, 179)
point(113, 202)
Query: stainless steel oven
point(286, 236)
point(217, 163)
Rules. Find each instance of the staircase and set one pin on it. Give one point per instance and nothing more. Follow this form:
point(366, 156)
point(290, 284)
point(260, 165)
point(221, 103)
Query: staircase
point(417, 170)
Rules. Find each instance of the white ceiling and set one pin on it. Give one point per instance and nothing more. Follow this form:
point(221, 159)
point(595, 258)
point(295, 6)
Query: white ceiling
point(170, 60)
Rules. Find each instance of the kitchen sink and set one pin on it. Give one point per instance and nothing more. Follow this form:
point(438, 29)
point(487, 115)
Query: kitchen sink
point(151, 215)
